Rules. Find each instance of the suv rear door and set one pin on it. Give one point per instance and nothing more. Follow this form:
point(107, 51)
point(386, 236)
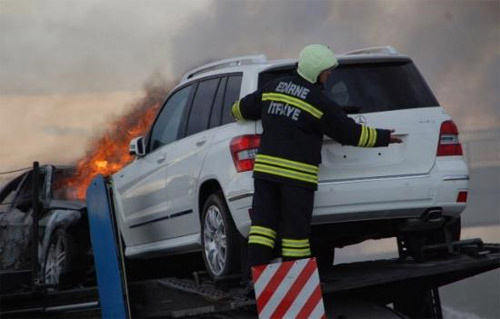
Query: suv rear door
point(209, 109)
point(390, 95)
point(185, 157)
point(383, 93)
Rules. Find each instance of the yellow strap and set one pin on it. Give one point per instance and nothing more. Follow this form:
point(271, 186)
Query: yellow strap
point(285, 173)
point(261, 241)
point(278, 97)
point(286, 163)
point(263, 231)
point(236, 111)
point(295, 243)
point(363, 136)
point(368, 137)
point(373, 137)
point(296, 252)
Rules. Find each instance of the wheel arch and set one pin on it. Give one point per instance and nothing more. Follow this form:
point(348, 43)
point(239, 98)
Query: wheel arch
point(207, 188)
point(232, 257)
point(65, 219)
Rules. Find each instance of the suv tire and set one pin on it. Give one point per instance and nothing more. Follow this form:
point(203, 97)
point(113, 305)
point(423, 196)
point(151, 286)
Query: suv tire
point(220, 241)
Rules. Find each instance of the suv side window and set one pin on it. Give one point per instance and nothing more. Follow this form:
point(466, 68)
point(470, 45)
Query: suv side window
point(166, 127)
point(232, 94)
point(199, 115)
point(24, 197)
point(216, 115)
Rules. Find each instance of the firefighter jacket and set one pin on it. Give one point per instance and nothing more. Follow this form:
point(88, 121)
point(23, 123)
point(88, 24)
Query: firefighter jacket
point(295, 115)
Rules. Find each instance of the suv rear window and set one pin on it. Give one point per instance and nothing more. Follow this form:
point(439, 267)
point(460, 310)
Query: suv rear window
point(202, 105)
point(374, 87)
point(216, 115)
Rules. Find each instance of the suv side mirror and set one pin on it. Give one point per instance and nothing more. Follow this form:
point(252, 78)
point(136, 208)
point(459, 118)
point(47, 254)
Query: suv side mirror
point(137, 146)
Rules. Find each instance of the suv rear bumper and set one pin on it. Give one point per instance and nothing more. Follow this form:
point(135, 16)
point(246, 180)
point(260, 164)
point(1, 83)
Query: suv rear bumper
point(398, 197)
point(394, 197)
point(403, 198)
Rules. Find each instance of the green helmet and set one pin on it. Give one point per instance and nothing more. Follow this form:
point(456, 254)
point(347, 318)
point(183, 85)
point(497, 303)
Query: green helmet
point(313, 60)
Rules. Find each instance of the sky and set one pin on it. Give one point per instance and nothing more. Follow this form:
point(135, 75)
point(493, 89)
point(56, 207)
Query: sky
point(67, 68)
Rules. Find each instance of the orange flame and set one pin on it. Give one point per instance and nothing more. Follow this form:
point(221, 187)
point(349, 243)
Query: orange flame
point(109, 153)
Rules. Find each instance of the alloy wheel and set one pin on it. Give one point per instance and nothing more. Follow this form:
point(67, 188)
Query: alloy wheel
point(215, 240)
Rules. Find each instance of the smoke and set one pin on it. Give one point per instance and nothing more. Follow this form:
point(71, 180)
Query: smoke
point(454, 43)
point(232, 28)
point(66, 66)
point(108, 152)
point(135, 121)
point(81, 46)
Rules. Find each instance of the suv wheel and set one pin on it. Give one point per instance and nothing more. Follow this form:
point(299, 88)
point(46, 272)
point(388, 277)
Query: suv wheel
point(61, 258)
point(219, 238)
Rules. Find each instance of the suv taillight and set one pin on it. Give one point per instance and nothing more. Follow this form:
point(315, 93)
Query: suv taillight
point(244, 149)
point(449, 145)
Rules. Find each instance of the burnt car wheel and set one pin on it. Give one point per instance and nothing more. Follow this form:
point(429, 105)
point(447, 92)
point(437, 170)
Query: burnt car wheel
point(61, 260)
point(219, 238)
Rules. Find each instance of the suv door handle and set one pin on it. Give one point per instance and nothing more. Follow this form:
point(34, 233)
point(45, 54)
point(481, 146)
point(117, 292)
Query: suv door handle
point(161, 158)
point(202, 141)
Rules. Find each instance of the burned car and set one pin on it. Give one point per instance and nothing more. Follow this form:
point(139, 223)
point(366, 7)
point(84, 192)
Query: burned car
point(64, 255)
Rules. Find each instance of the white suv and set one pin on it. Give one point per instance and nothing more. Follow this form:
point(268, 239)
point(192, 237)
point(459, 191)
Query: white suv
point(190, 187)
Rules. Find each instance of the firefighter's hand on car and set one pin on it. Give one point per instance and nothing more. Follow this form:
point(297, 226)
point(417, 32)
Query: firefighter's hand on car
point(394, 139)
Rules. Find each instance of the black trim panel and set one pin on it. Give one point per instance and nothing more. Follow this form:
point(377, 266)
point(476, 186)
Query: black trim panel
point(174, 215)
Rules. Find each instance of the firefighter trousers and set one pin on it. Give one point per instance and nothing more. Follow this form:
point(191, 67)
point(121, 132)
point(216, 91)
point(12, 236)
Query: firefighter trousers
point(281, 209)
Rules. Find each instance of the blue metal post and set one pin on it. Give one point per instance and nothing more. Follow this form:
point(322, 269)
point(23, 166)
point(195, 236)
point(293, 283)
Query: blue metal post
point(110, 273)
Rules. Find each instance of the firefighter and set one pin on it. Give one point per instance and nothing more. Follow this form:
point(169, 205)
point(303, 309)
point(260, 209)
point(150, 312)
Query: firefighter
point(295, 115)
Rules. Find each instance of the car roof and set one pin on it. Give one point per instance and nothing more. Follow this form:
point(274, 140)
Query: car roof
point(259, 63)
point(27, 171)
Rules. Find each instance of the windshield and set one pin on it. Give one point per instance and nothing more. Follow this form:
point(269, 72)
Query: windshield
point(63, 186)
point(373, 87)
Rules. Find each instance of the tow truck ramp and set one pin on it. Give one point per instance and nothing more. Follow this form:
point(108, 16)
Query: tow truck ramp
point(353, 290)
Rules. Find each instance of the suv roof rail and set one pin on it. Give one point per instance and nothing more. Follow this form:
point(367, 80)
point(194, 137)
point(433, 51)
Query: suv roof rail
point(374, 50)
point(242, 60)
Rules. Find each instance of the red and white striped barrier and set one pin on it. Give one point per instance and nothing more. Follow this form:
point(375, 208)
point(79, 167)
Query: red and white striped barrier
point(288, 290)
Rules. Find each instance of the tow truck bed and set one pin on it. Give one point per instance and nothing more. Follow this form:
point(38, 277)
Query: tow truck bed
point(173, 297)
point(379, 282)
point(380, 278)
point(392, 273)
